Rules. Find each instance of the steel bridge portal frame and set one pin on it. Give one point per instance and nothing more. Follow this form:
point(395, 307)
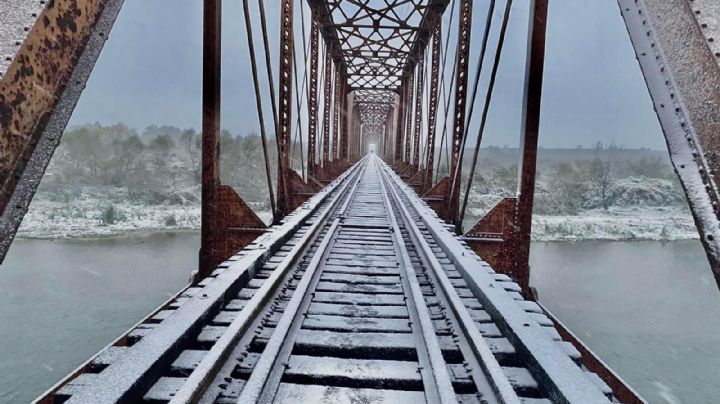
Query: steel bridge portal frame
point(684, 95)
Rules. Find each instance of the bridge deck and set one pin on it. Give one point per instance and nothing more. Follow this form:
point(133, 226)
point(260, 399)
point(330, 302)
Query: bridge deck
point(361, 295)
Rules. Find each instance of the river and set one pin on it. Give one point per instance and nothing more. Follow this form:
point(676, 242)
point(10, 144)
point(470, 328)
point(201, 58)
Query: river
point(651, 310)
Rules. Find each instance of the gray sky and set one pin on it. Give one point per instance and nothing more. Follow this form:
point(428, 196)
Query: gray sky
point(150, 73)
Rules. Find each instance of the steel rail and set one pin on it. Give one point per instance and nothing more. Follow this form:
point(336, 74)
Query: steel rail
point(562, 379)
point(255, 386)
point(491, 368)
point(260, 387)
point(205, 372)
point(441, 376)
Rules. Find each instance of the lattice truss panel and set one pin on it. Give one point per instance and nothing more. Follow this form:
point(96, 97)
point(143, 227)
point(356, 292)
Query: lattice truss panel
point(373, 132)
point(374, 106)
point(376, 38)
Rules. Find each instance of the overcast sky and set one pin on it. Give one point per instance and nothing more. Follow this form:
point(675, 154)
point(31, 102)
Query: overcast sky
point(150, 73)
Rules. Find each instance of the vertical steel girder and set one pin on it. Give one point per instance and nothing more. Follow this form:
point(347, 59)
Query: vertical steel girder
point(312, 96)
point(43, 72)
point(418, 110)
point(337, 94)
point(399, 127)
point(530, 126)
point(354, 133)
point(432, 106)
point(327, 109)
point(676, 44)
point(408, 117)
point(461, 79)
point(228, 224)
point(287, 47)
point(387, 147)
point(212, 34)
point(344, 117)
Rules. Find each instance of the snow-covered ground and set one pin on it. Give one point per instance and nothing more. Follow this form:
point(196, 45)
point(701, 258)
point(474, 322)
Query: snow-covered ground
point(86, 215)
point(617, 224)
point(93, 213)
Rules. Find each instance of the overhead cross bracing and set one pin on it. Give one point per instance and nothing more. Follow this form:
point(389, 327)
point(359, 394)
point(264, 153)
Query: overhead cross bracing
point(376, 38)
point(374, 105)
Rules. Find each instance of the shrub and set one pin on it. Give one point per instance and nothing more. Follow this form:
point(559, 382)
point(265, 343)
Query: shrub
point(110, 215)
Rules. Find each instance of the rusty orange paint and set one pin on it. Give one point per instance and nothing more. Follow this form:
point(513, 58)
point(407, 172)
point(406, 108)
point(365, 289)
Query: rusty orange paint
point(35, 80)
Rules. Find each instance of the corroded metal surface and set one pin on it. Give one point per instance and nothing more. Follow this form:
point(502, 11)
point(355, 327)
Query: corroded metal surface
point(47, 55)
point(530, 127)
point(407, 137)
point(675, 44)
point(312, 96)
point(492, 236)
point(458, 117)
point(327, 98)
point(419, 90)
point(285, 97)
point(212, 35)
point(234, 226)
point(18, 17)
point(432, 106)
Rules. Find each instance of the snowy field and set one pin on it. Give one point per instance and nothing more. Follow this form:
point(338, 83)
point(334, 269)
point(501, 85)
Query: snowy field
point(97, 214)
point(617, 224)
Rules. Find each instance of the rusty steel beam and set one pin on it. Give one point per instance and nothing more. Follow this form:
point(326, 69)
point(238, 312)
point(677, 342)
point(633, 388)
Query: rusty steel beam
point(312, 96)
point(387, 144)
point(344, 116)
point(408, 117)
point(431, 19)
point(327, 110)
point(530, 127)
point(212, 34)
point(287, 47)
point(458, 129)
point(228, 224)
point(356, 134)
point(399, 132)
point(432, 106)
point(418, 111)
point(320, 9)
point(676, 44)
point(48, 51)
point(337, 94)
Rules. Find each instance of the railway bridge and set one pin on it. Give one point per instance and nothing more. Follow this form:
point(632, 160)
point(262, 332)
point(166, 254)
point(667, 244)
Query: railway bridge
point(365, 287)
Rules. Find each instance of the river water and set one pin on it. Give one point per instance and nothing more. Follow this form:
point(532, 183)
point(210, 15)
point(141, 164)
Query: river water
point(651, 310)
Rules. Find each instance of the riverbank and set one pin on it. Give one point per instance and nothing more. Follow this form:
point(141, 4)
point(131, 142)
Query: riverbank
point(48, 219)
point(650, 224)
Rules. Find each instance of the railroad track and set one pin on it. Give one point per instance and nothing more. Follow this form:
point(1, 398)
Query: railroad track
point(363, 296)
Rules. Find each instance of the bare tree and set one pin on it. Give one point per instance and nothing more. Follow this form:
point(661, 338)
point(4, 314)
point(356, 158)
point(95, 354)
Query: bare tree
point(601, 175)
